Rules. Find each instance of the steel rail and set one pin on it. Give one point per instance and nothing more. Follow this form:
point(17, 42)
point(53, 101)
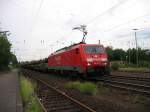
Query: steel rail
point(126, 77)
point(125, 71)
point(67, 96)
point(126, 83)
point(127, 86)
point(43, 108)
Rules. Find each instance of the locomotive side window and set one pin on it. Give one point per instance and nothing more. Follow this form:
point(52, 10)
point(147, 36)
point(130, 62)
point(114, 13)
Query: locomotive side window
point(94, 49)
point(77, 51)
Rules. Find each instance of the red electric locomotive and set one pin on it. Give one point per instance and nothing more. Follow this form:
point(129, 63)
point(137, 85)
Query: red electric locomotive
point(81, 58)
point(85, 59)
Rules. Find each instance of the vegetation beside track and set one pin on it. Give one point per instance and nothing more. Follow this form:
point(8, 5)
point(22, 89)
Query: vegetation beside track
point(30, 101)
point(142, 100)
point(131, 69)
point(117, 67)
point(127, 58)
point(85, 87)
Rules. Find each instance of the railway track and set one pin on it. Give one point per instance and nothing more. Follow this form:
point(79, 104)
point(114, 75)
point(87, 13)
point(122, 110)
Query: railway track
point(132, 83)
point(144, 79)
point(136, 84)
point(55, 100)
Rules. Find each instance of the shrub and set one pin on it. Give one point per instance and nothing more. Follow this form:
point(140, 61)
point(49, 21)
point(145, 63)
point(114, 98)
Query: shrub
point(115, 66)
point(73, 85)
point(26, 90)
point(30, 102)
point(86, 87)
point(144, 64)
point(34, 106)
point(131, 65)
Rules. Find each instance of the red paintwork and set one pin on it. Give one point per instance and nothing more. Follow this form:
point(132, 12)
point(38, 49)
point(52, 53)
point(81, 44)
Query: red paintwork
point(68, 57)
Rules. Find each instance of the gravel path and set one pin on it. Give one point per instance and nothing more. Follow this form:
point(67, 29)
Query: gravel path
point(10, 100)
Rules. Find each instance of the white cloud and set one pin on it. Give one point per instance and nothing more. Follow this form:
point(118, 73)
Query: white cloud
point(113, 24)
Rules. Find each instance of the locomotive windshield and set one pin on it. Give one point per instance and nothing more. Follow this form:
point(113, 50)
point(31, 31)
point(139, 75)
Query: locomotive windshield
point(94, 49)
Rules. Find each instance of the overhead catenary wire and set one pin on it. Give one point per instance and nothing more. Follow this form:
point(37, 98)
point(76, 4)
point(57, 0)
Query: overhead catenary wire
point(89, 22)
point(105, 12)
point(36, 16)
point(110, 9)
point(32, 15)
point(117, 26)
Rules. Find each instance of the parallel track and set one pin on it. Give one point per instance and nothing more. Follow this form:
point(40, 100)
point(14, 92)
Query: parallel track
point(136, 84)
point(55, 100)
point(130, 77)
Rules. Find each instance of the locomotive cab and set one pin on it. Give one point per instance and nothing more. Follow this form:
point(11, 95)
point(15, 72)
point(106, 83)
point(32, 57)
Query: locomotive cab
point(96, 60)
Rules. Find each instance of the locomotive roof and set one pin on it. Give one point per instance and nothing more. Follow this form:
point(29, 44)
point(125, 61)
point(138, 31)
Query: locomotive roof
point(69, 47)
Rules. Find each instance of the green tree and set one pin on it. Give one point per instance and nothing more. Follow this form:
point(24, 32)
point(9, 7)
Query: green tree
point(122, 55)
point(132, 55)
point(119, 54)
point(5, 54)
point(109, 51)
point(13, 59)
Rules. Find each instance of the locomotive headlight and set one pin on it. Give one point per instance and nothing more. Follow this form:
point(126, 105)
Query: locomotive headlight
point(88, 64)
point(103, 59)
point(89, 59)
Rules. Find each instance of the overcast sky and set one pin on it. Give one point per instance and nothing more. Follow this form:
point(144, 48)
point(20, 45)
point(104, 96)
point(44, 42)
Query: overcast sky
point(39, 27)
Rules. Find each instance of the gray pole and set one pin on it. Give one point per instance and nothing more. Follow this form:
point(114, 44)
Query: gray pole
point(137, 63)
point(129, 53)
point(129, 56)
point(99, 42)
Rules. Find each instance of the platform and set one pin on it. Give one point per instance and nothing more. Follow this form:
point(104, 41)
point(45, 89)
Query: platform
point(10, 99)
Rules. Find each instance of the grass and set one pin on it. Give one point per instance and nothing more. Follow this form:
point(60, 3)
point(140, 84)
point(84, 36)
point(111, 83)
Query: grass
point(30, 102)
point(103, 89)
point(34, 106)
point(84, 87)
point(130, 69)
point(142, 100)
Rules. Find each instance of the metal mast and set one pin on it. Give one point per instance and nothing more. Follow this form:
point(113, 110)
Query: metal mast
point(137, 60)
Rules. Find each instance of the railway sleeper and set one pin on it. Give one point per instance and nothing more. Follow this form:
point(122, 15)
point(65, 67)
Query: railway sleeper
point(66, 108)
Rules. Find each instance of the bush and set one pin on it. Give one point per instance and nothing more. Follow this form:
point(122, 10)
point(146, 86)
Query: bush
point(131, 65)
point(30, 102)
point(26, 90)
point(34, 106)
point(115, 66)
point(144, 64)
point(86, 87)
point(73, 85)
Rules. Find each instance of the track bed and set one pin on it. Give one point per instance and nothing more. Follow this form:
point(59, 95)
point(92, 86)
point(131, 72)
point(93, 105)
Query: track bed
point(108, 100)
